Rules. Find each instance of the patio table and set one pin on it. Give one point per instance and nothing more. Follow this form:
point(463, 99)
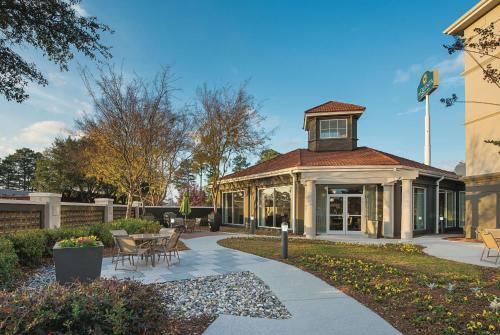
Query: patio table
point(148, 237)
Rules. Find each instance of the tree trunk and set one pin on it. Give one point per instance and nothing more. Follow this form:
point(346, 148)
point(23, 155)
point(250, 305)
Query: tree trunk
point(129, 205)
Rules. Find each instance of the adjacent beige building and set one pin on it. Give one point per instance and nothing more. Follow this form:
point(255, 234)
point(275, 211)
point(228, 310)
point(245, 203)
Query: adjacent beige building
point(482, 122)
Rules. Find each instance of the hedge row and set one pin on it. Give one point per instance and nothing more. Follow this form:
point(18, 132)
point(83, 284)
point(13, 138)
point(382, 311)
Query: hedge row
point(30, 247)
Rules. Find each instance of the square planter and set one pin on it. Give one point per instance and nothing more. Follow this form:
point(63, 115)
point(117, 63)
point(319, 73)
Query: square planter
point(83, 264)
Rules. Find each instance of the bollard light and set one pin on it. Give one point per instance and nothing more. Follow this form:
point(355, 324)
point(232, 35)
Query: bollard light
point(252, 225)
point(284, 240)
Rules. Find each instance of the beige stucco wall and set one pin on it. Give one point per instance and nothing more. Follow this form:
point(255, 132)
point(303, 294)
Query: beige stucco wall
point(482, 121)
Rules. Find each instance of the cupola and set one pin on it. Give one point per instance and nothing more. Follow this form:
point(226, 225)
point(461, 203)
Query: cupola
point(332, 126)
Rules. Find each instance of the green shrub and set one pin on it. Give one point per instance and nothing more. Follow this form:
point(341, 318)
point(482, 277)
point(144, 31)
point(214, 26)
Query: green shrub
point(102, 232)
point(136, 226)
point(9, 270)
point(29, 246)
point(101, 307)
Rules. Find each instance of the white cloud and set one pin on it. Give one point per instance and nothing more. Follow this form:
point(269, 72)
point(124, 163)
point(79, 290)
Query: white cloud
point(403, 76)
point(412, 110)
point(36, 136)
point(80, 10)
point(452, 65)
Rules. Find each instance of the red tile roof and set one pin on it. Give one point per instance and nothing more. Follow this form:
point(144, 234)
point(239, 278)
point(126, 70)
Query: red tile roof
point(335, 106)
point(362, 156)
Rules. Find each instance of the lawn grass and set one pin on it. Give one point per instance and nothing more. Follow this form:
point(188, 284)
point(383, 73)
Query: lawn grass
point(416, 293)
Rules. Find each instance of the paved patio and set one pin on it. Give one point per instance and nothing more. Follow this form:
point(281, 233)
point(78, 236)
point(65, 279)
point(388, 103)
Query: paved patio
point(316, 307)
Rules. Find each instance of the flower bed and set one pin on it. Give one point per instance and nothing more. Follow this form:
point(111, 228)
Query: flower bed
point(416, 293)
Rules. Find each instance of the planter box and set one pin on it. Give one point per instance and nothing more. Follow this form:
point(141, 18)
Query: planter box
point(82, 264)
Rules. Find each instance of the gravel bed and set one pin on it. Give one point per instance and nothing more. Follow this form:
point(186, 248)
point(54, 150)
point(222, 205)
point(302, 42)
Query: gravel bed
point(240, 293)
point(43, 277)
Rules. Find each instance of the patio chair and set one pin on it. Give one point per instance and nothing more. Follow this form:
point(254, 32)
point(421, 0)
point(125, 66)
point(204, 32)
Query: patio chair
point(190, 224)
point(494, 232)
point(166, 231)
point(128, 247)
point(171, 246)
point(490, 244)
point(160, 248)
point(114, 234)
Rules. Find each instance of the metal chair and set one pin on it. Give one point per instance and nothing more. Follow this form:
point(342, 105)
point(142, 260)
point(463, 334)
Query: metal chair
point(490, 244)
point(128, 247)
point(114, 234)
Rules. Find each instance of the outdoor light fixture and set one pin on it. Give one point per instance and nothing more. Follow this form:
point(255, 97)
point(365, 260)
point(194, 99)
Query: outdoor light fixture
point(284, 240)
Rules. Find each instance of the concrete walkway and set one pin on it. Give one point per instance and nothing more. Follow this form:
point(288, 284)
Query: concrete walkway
point(316, 307)
point(464, 252)
point(434, 245)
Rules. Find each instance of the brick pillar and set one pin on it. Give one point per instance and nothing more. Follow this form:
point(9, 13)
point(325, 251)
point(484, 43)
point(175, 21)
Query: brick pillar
point(52, 212)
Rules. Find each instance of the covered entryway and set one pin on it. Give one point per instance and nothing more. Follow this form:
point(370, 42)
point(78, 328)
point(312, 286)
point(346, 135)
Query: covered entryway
point(344, 213)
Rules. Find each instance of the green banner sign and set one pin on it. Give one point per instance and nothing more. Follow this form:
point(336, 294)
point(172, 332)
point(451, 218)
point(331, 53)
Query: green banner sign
point(428, 84)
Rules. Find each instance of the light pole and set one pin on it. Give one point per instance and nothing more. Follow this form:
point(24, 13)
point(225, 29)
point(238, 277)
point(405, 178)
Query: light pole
point(284, 240)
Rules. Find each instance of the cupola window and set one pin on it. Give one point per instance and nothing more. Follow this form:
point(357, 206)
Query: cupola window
point(333, 128)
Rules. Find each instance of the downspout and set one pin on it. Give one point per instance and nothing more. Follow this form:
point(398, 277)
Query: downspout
point(294, 200)
point(437, 204)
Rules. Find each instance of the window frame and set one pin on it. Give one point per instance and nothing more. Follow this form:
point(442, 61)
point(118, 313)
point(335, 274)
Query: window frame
point(330, 128)
point(461, 209)
point(262, 225)
point(425, 208)
point(232, 207)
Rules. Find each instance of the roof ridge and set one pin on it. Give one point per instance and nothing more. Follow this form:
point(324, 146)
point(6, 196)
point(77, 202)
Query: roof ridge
point(391, 157)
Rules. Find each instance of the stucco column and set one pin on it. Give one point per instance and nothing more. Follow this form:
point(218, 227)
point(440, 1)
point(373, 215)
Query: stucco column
point(388, 210)
point(52, 212)
point(406, 210)
point(136, 207)
point(108, 208)
point(310, 209)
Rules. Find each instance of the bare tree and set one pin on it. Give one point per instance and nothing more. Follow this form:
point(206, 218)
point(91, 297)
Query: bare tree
point(227, 123)
point(130, 131)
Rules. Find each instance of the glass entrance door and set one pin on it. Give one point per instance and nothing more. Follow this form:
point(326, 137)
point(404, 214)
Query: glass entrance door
point(344, 214)
point(336, 214)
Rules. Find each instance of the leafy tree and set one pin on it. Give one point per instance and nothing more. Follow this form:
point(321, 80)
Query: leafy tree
point(197, 197)
point(227, 123)
point(132, 132)
point(52, 26)
point(239, 163)
point(184, 177)
point(62, 168)
point(267, 154)
point(17, 170)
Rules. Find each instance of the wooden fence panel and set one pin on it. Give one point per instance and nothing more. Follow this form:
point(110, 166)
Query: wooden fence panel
point(81, 215)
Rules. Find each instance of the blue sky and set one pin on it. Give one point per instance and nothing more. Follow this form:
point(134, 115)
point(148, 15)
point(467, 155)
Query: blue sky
point(297, 54)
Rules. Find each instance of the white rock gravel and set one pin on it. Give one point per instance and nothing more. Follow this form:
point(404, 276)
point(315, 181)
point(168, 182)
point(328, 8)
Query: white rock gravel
point(240, 293)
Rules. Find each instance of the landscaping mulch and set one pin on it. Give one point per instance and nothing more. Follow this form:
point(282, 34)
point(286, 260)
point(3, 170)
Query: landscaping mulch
point(195, 325)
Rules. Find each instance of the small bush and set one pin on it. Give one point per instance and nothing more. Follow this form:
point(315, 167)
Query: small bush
point(136, 226)
point(29, 246)
point(8, 264)
point(101, 307)
point(102, 232)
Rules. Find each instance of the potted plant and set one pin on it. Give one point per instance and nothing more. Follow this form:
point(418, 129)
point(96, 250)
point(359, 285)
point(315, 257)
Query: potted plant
point(78, 259)
point(214, 221)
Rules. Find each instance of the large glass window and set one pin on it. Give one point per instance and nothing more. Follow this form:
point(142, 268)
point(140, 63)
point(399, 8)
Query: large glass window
point(461, 209)
point(333, 128)
point(232, 207)
point(274, 206)
point(419, 210)
point(447, 208)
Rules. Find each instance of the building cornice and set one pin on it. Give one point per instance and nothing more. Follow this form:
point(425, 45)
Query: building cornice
point(471, 16)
